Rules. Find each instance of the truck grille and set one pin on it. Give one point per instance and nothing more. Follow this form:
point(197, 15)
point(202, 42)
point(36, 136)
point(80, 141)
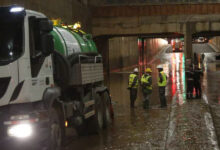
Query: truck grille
point(4, 82)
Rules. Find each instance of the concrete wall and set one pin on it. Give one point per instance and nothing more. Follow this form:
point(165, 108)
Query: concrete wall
point(216, 42)
point(151, 19)
point(153, 46)
point(124, 52)
point(69, 11)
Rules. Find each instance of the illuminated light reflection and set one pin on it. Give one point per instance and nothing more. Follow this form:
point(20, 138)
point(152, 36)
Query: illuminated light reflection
point(178, 77)
point(181, 99)
point(173, 75)
point(183, 77)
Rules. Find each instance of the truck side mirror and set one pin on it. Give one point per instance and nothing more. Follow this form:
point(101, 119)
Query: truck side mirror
point(46, 25)
point(47, 44)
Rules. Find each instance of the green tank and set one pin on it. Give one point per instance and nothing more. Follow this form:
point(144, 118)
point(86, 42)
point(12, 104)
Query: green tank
point(69, 42)
point(75, 55)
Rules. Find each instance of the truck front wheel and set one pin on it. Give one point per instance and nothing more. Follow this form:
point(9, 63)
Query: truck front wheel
point(55, 139)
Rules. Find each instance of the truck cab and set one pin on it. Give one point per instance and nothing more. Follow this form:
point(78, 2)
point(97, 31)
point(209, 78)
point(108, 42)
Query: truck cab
point(23, 38)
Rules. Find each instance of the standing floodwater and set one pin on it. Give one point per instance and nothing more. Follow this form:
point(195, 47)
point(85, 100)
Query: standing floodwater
point(182, 125)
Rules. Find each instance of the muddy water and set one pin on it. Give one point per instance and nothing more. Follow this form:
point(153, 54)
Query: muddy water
point(132, 128)
point(182, 125)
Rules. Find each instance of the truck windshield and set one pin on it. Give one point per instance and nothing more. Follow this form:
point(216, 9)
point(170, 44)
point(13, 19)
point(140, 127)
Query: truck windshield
point(11, 39)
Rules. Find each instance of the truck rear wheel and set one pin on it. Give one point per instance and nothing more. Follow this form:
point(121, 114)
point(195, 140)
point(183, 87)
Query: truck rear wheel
point(55, 139)
point(81, 130)
point(107, 116)
point(95, 123)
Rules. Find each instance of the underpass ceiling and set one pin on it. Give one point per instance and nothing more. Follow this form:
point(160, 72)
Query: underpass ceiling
point(148, 2)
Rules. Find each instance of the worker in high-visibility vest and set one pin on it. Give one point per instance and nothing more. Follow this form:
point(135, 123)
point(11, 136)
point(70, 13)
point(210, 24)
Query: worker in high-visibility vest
point(133, 86)
point(146, 83)
point(162, 82)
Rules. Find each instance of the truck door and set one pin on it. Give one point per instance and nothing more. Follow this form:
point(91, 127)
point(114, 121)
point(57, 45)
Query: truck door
point(41, 66)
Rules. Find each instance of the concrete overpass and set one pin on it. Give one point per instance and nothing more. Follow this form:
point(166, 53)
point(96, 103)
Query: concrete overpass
point(149, 18)
point(158, 20)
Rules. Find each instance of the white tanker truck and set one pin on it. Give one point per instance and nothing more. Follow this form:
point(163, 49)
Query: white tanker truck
point(51, 79)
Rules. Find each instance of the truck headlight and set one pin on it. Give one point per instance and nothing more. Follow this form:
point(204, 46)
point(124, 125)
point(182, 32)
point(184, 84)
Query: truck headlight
point(20, 130)
point(16, 9)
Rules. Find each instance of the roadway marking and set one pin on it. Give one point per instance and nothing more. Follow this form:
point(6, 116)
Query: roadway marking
point(172, 124)
point(209, 124)
point(204, 97)
point(169, 134)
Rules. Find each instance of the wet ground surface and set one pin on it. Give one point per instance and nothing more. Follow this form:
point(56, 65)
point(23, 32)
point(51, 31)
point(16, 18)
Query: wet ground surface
point(184, 124)
point(211, 94)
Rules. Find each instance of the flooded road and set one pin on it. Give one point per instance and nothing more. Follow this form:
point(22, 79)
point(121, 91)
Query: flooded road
point(184, 124)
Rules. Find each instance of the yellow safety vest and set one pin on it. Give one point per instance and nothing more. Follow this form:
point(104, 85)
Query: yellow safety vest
point(164, 82)
point(145, 79)
point(131, 80)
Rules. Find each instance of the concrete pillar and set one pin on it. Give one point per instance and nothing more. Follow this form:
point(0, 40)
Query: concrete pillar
point(142, 56)
point(188, 42)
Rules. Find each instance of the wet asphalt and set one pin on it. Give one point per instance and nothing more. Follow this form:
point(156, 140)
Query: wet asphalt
point(183, 125)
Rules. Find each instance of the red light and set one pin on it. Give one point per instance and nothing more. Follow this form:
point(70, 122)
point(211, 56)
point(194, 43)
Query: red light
point(139, 44)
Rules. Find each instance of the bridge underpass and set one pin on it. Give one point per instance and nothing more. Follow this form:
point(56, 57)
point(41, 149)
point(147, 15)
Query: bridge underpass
point(104, 44)
point(184, 124)
point(185, 19)
point(116, 49)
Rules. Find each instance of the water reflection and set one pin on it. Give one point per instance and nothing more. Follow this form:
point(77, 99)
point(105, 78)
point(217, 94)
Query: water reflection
point(137, 128)
point(140, 129)
point(178, 77)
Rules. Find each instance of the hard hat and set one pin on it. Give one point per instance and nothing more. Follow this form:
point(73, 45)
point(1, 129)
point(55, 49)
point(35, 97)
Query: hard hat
point(135, 69)
point(148, 70)
point(159, 66)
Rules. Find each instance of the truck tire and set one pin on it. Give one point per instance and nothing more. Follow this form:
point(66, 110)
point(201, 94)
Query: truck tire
point(81, 130)
point(95, 123)
point(107, 116)
point(56, 134)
